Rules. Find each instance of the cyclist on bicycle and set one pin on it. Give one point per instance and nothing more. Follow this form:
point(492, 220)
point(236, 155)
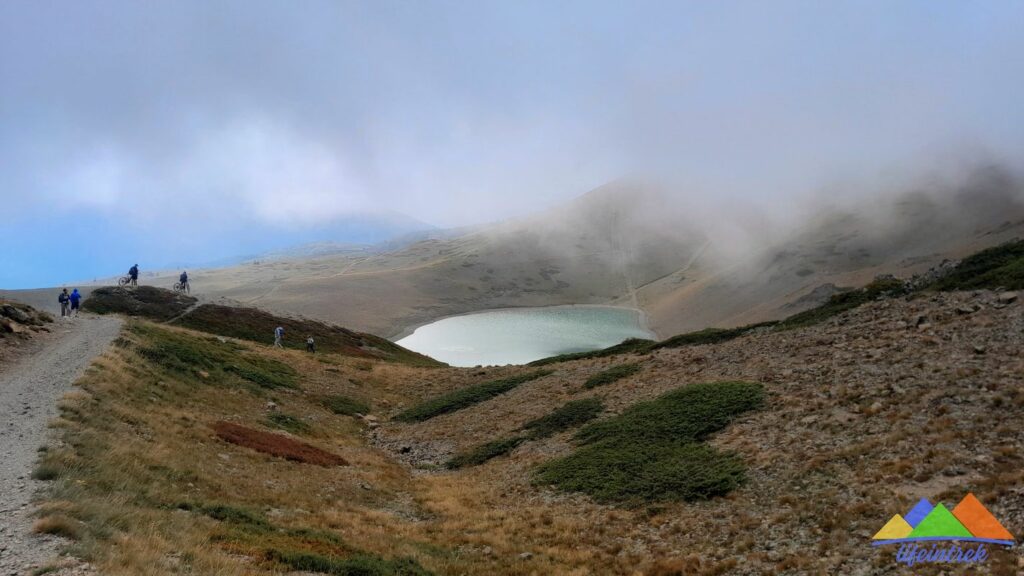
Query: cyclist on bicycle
point(133, 272)
point(183, 279)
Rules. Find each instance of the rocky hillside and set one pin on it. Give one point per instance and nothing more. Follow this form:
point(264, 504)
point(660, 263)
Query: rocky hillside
point(778, 449)
point(21, 319)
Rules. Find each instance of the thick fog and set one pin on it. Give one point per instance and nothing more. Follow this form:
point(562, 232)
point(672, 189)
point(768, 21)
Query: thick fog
point(194, 131)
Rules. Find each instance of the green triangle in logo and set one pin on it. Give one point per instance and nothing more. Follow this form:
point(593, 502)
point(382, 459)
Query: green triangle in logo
point(938, 523)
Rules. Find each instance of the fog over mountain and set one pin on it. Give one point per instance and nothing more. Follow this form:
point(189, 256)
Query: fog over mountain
point(194, 132)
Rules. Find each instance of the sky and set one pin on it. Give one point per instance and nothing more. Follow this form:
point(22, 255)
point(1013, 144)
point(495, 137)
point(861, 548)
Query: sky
point(193, 131)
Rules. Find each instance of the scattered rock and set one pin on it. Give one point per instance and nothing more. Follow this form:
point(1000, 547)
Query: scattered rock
point(1007, 297)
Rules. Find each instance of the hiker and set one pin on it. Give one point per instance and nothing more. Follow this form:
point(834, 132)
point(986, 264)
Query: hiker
point(64, 298)
point(310, 345)
point(184, 281)
point(74, 298)
point(134, 273)
point(278, 335)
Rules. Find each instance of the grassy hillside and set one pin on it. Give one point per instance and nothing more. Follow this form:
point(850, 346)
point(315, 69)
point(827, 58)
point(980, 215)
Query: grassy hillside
point(246, 323)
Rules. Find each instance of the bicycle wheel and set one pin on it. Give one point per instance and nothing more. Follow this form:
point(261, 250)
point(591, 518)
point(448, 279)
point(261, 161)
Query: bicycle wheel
point(123, 281)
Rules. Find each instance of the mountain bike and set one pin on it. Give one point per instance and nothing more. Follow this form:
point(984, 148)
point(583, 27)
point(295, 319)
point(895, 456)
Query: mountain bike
point(124, 281)
point(182, 287)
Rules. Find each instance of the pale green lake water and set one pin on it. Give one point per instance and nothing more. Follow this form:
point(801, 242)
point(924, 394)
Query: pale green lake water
point(521, 335)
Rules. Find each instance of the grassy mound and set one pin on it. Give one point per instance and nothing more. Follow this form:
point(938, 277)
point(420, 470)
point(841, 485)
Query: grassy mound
point(613, 374)
point(653, 451)
point(276, 445)
point(144, 301)
point(466, 397)
point(994, 268)
point(571, 415)
point(358, 565)
point(288, 423)
point(637, 345)
point(208, 358)
point(258, 326)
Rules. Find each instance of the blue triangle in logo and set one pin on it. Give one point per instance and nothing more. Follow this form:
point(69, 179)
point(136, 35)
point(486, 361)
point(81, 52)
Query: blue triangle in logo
point(918, 512)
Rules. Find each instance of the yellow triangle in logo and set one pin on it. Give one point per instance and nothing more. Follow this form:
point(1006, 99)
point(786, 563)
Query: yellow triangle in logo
point(894, 529)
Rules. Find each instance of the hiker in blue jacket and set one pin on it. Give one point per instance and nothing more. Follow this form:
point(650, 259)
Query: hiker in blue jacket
point(74, 298)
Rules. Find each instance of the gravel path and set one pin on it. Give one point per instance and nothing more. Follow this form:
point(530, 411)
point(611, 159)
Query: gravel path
point(29, 390)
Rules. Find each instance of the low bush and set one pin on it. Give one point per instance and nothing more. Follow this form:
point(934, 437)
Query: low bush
point(345, 406)
point(466, 397)
point(570, 415)
point(637, 345)
point(613, 374)
point(485, 452)
point(287, 423)
point(356, 565)
point(994, 268)
point(653, 451)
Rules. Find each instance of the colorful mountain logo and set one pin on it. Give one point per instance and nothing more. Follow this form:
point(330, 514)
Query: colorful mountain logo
point(969, 521)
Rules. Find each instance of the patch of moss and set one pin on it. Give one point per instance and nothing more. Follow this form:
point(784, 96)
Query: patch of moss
point(653, 451)
point(568, 416)
point(466, 397)
point(613, 374)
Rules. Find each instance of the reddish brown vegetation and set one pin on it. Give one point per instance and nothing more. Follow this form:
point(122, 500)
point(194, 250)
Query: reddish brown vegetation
point(276, 445)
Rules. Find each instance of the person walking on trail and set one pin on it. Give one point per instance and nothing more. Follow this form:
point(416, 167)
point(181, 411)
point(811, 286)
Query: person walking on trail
point(74, 298)
point(133, 272)
point(310, 345)
point(184, 282)
point(278, 335)
point(64, 298)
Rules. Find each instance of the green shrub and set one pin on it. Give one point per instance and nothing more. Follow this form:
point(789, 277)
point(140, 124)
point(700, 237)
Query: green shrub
point(613, 374)
point(844, 301)
point(346, 406)
point(187, 354)
point(637, 345)
point(288, 423)
point(570, 415)
point(653, 450)
point(689, 413)
point(997, 267)
point(466, 397)
point(357, 565)
point(485, 452)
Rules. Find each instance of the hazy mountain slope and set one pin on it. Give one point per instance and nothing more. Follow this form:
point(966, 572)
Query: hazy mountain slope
point(904, 236)
point(631, 245)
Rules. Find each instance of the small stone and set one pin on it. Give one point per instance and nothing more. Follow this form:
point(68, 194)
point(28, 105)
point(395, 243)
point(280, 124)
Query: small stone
point(487, 551)
point(964, 310)
point(526, 556)
point(978, 349)
point(204, 374)
point(1007, 297)
point(271, 406)
point(924, 326)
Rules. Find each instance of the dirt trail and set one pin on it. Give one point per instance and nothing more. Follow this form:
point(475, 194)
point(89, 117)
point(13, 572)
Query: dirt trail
point(29, 390)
